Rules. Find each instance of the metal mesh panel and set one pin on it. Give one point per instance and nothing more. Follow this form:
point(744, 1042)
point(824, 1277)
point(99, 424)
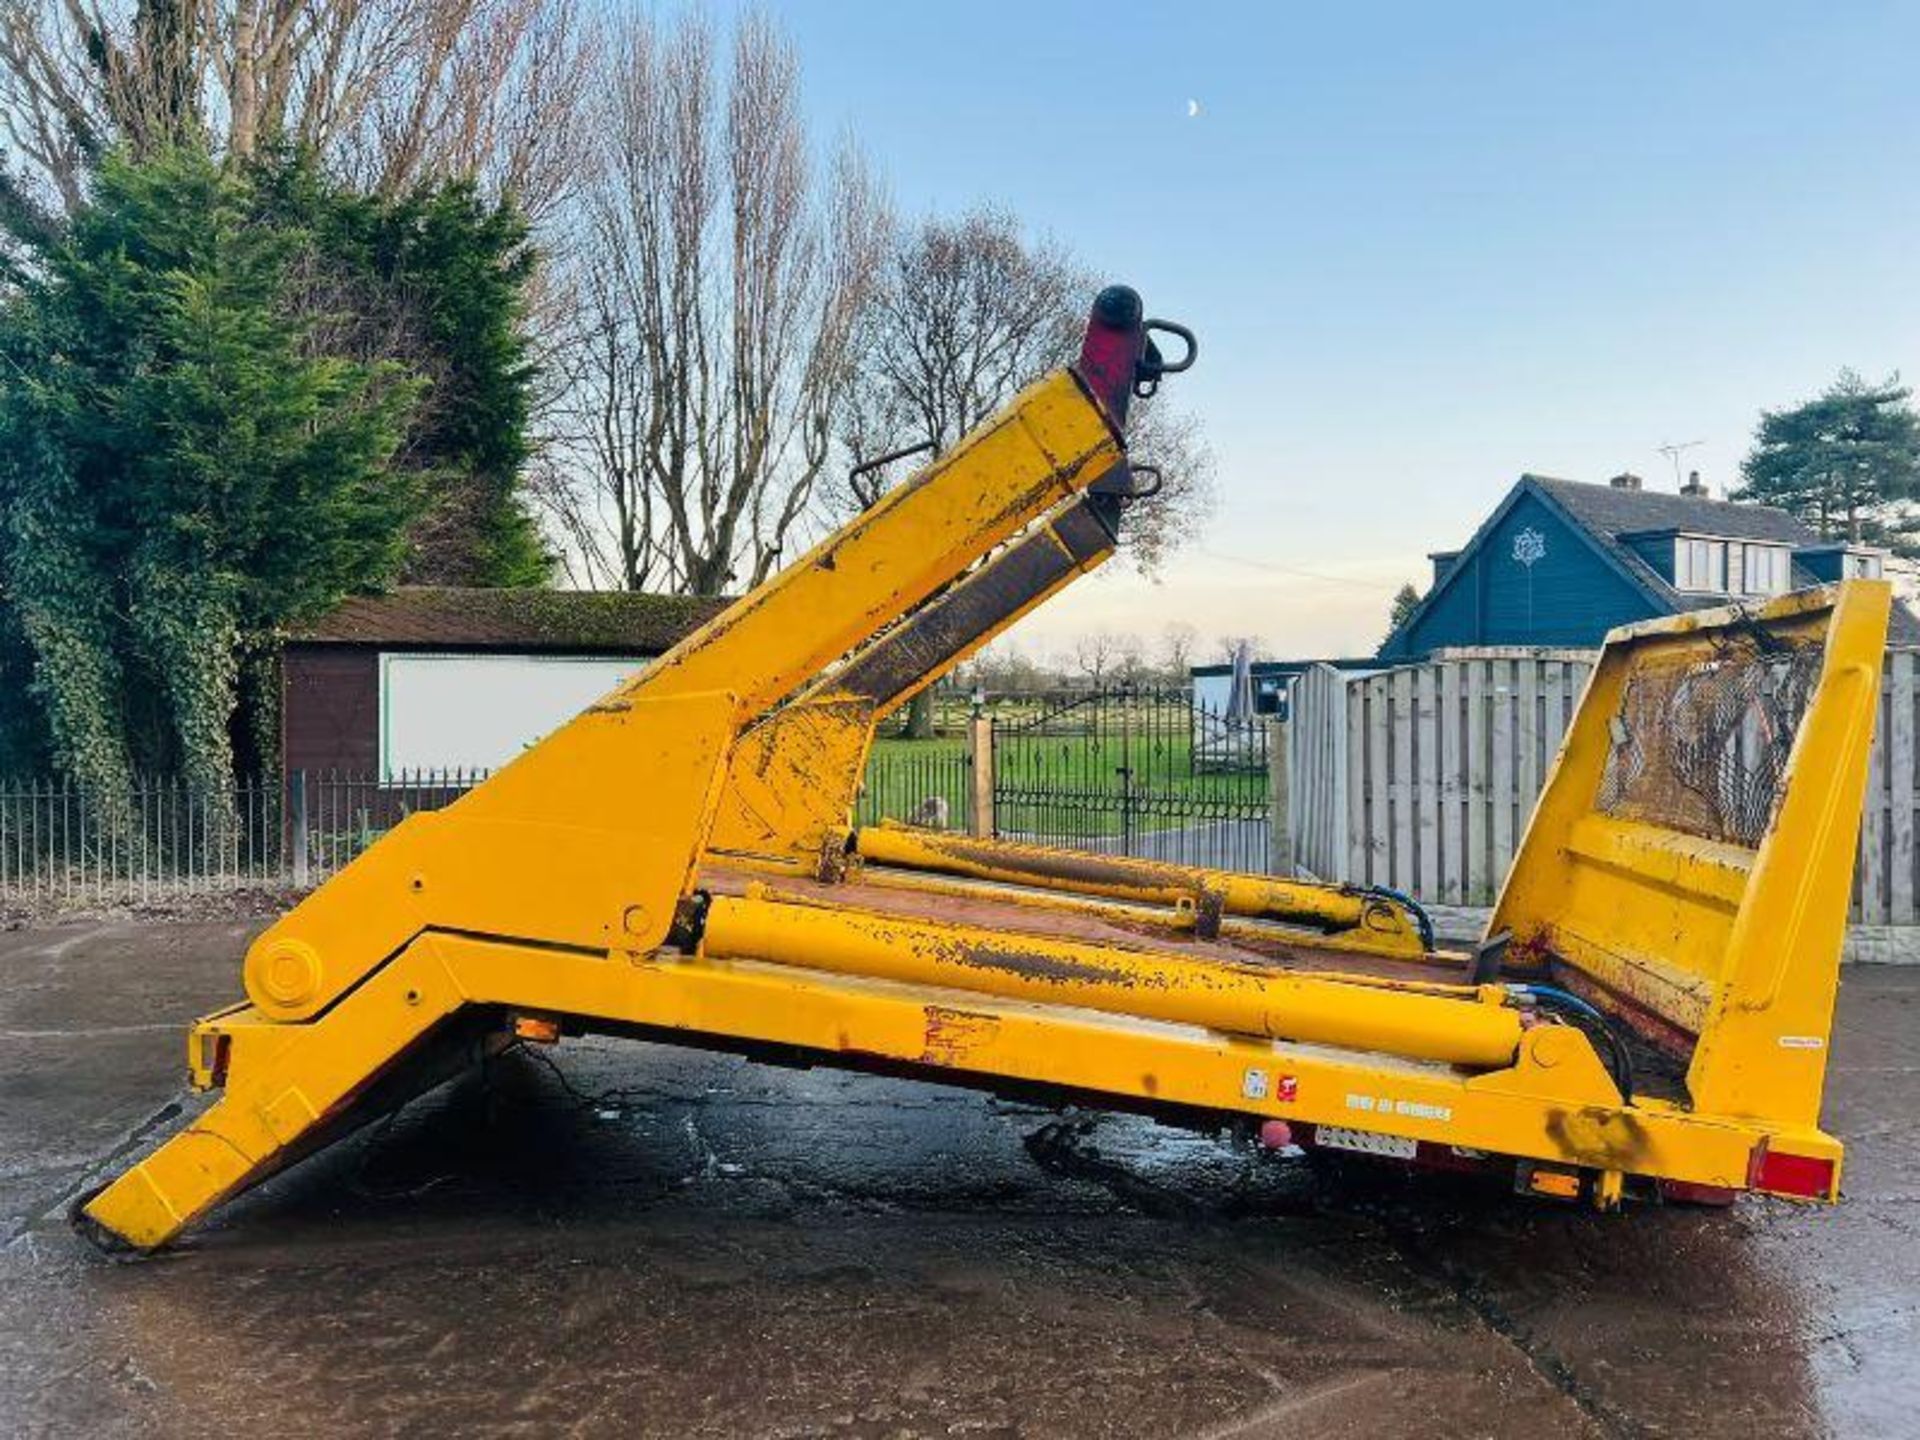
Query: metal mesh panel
point(1699, 744)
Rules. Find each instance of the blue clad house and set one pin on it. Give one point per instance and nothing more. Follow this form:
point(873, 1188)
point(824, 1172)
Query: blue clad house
point(1561, 562)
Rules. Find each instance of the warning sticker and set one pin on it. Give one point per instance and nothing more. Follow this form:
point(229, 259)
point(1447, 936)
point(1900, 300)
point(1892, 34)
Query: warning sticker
point(1253, 1085)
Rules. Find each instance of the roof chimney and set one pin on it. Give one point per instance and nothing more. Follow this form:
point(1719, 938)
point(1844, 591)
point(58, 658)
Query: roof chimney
point(1695, 486)
point(1625, 480)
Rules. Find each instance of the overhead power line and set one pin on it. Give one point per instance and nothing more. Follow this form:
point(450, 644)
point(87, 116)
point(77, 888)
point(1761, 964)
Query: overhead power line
point(1282, 569)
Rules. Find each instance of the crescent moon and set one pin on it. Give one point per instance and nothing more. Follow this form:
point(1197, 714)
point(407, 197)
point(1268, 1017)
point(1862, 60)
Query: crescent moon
point(1193, 108)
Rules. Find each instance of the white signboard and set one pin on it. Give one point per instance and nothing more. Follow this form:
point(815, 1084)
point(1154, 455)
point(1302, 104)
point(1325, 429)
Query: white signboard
point(477, 712)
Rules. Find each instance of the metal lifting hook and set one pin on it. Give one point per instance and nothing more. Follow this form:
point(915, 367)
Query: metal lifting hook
point(1152, 364)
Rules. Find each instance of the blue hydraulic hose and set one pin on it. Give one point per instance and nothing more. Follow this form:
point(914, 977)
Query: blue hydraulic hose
point(1412, 906)
point(1554, 992)
point(1622, 1060)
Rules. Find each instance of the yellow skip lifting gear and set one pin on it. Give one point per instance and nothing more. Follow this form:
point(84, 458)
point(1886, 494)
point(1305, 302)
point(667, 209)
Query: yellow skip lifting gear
point(1650, 1011)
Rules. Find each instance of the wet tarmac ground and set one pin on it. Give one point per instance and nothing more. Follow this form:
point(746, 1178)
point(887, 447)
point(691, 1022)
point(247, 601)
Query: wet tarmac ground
point(607, 1238)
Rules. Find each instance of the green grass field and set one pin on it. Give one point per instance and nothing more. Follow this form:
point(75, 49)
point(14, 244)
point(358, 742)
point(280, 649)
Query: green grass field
point(903, 773)
point(1065, 785)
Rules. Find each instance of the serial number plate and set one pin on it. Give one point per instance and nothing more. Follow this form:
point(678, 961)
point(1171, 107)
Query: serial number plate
point(1367, 1142)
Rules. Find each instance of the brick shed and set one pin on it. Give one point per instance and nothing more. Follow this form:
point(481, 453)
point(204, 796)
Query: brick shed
point(435, 678)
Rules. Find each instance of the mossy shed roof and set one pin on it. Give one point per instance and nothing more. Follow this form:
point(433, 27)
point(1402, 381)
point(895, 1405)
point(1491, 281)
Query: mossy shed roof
point(433, 615)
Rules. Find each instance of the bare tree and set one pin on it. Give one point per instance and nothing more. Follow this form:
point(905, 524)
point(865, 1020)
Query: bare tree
point(1102, 657)
point(968, 311)
point(1178, 640)
point(967, 314)
point(716, 290)
point(389, 91)
point(1227, 647)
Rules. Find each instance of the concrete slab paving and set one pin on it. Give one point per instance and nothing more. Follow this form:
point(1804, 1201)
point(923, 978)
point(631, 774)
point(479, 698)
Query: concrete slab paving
point(612, 1238)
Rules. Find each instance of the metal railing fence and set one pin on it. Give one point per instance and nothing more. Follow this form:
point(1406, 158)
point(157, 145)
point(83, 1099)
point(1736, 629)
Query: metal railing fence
point(1131, 771)
point(65, 843)
point(1135, 770)
point(921, 782)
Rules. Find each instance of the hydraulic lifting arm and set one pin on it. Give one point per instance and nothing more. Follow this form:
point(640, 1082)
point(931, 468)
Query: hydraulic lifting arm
point(655, 868)
point(794, 776)
point(589, 842)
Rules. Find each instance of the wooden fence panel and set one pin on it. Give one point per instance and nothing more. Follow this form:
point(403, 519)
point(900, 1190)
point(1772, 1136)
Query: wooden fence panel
point(1317, 760)
point(1424, 777)
point(1870, 899)
point(1453, 830)
point(1400, 794)
point(1426, 797)
point(1899, 856)
point(1886, 885)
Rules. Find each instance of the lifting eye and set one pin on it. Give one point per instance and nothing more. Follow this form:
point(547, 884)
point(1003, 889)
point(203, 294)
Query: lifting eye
point(1151, 365)
point(1155, 364)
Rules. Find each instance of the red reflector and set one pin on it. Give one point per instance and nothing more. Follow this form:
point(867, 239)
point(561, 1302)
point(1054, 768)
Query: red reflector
point(1783, 1173)
point(1276, 1134)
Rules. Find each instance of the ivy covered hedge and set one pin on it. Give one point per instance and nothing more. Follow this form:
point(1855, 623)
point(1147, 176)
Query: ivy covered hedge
point(228, 400)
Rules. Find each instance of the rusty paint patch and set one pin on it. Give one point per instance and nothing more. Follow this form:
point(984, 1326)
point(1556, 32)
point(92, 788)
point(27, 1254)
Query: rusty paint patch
point(928, 643)
point(1065, 865)
point(1673, 1040)
point(953, 1035)
point(1034, 965)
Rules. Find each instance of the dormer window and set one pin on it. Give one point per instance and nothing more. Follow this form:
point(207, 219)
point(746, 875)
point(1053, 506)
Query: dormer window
point(1865, 565)
point(1730, 567)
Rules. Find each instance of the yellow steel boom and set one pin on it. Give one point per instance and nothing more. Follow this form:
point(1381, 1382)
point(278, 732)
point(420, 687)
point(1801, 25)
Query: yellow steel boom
point(677, 862)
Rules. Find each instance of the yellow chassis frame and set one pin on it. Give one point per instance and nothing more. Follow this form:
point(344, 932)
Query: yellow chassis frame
point(572, 892)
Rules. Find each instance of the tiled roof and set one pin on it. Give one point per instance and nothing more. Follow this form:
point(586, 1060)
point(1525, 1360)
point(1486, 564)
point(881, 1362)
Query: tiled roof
point(1615, 512)
point(522, 619)
point(1607, 513)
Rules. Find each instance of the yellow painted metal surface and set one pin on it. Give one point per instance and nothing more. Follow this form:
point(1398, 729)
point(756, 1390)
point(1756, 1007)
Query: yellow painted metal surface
point(590, 837)
point(1467, 1027)
point(1180, 917)
point(570, 888)
point(1735, 944)
point(795, 774)
point(1382, 925)
point(1553, 1103)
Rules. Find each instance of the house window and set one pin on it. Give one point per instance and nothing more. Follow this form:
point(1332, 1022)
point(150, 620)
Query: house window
point(1775, 576)
point(1863, 567)
point(1693, 564)
point(1730, 567)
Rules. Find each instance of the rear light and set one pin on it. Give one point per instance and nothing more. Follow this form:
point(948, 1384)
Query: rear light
point(1780, 1172)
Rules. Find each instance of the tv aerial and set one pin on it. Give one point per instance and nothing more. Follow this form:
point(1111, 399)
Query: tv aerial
point(1673, 452)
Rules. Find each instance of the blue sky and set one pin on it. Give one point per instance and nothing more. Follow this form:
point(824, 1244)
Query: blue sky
point(1426, 247)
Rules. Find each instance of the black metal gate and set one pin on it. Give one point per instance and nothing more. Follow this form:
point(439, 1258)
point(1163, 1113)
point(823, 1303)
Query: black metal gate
point(1133, 771)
